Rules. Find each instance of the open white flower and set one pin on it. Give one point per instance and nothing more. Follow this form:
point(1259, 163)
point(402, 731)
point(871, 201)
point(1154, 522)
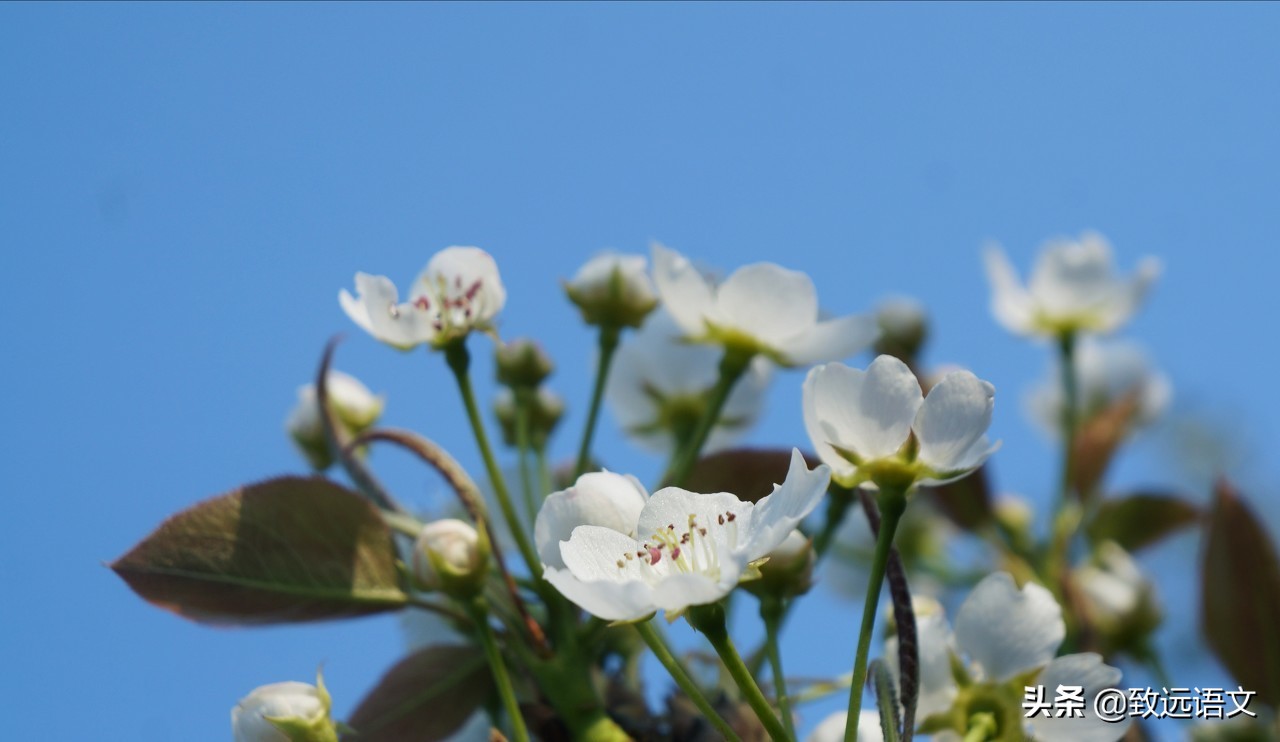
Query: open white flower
point(1072, 288)
point(283, 711)
point(659, 386)
point(1004, 634)
point(1116, 593)
point(760, 308)
point(832, 728)
point(613, 289)
point(459, 291)
point(877, 426)
point(355, 408)
point(1106, 372)
point(603, 499)
point(694, 548)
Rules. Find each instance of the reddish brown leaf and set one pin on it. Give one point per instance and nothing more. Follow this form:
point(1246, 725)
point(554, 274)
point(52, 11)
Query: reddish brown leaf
point(1141, 519)
point(1097, 441)
point(749, 473)
point(285, 550)
point(1240, 594)
point(426, 696)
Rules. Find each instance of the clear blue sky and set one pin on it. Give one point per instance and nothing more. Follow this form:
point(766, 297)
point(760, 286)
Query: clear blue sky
point(184, 189)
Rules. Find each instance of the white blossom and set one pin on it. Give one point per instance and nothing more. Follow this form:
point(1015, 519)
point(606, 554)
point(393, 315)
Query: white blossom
point(354, 407)
point(877, 425)
point(760, 308)
point(658, 386)
point(1072, 288)
point(447, 549)
point(1003, 634)
point(832, 728)
point(459, 291)
point(693, 548)
point(1106, 372)
point(604, 499)
point(613, 289)
point(260, 715)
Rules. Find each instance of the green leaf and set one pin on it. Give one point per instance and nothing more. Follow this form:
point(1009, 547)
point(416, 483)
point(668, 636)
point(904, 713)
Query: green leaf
point(749, 473)
point(1240, 595)
point(886, 700)
point(1140, 519)
point(426, 696)
point(284, 550)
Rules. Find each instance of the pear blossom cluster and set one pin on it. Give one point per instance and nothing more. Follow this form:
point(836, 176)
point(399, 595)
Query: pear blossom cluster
point(551, 571)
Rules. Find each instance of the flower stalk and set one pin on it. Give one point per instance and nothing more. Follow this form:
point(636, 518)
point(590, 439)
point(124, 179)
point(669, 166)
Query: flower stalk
point(686, 683)
point(501, 678)
point(609, 334)
point(710, 620)
point(893, 503)
point(732, 366)
point(772, 609)
point(459, 362)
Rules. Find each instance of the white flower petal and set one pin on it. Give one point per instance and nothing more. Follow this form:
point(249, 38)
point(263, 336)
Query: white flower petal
point(612, 601)
point(671, 507)
point(1006, 630)
point(598, 499)
point(685, 293)
point(778, 513)
point(677, 592)
point(1071, 278)
point(954, 416)
point(1010, 303)
point(375, 310)
point(1087, 671)
point(867, 412)
point(768, 302)
point(832, 728)
point(466, 275)
point(831, 340)
point(937, 685)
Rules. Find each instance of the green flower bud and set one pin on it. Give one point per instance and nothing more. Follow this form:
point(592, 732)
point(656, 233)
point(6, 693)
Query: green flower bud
point(522, 363)
point(613, 290)
point(452, 557)
point(354, 407)
point(285, 712)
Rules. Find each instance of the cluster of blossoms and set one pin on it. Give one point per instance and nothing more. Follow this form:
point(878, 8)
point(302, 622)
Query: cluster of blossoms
point(685, 361)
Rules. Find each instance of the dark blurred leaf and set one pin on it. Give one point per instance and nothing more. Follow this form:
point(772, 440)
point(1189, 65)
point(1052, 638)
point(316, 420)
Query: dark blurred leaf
point(749, 473)
point(966, 502)
point(426, 696)
point(1140, 519)
point(1240, 595)
point(284, 550)
point(1097, 441)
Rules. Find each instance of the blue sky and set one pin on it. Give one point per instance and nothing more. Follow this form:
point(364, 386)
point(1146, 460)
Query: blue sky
point(184, 189)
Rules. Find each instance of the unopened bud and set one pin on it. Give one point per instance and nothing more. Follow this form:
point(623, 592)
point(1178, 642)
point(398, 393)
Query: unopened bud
point(354, 407)
point(545, 410)
point(613, 290)
point(285, 712)
point(450, 556)
point(522, 363)
point(904, 326)
point(789, 569)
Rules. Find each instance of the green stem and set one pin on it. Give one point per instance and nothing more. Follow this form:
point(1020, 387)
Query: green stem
point(608, 344)
point(544, 471)
point(498, 665)
point(682, 678)
point(524, 398)
point(892, 504)
point(982, 727)
point(1070, 412)
point(771, 612)
point(459, 361)
point(732, 366)
point(709, 619)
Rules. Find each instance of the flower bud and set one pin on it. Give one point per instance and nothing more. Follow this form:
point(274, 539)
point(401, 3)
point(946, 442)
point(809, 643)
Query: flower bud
point(522, 362)
point(451, 556)
point(613, 290)
point(904, 326)
point(354, 407)
point(284, 712)
point(545, 410)
point(1120, 600)
point(789, 569)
